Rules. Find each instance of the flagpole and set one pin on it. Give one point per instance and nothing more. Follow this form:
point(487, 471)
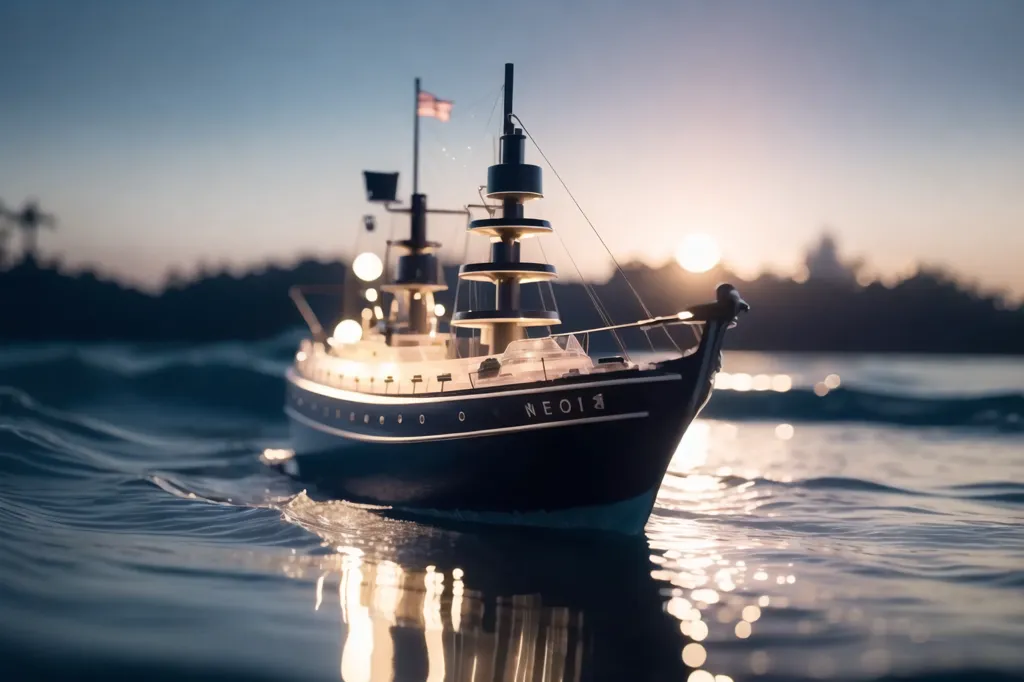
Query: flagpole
point(416, 142)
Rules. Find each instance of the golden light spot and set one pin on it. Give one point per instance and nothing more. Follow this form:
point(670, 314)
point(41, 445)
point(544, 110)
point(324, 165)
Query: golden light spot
point(698, 253)
point(784, 431)
point(751, 613)
point(760, 575)
point(694, 655)
point(820, 389)
point(742, 382)
point(743, 629)
point(782, 383)
point(762, 382)
point(832, 381)
point(764, 601)
point(706, 595)
point(723, 678)
point(700, 676)
point(678, 607)
point(699, 631)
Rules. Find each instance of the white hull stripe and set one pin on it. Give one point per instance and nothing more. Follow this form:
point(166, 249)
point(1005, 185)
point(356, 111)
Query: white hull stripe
point(384, 399)
point(313, 424)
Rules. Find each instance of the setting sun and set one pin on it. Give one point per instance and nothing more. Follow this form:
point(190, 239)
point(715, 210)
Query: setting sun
point(698, 252)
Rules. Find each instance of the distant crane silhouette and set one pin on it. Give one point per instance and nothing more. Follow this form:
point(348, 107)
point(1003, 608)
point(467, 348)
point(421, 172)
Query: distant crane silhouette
point(29, 219)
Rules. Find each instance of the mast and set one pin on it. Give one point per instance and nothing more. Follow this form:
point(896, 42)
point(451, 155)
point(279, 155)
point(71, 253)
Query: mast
point(416, 141)
point(512, 182)
point(417, 276)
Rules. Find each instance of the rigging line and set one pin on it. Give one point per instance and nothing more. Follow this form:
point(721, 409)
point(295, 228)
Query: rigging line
point(551, 288)
point(583, 213)
point(594, 229)
point(494, 107)
point(594, 299)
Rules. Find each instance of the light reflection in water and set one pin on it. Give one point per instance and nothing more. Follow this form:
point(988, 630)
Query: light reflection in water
point(381, 603)
point(416, 602)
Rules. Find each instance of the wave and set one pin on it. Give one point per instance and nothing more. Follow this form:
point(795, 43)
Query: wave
point(248, 378)
point(1002, 411)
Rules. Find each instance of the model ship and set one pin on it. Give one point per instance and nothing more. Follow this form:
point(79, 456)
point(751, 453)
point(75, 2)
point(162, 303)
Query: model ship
point(500, 427)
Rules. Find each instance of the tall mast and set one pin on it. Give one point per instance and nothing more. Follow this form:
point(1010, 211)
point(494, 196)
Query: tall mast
point(512, 182)
point(416, 141)
point(418, 274)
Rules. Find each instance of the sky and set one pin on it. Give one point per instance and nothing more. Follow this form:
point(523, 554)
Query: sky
point(166, 134)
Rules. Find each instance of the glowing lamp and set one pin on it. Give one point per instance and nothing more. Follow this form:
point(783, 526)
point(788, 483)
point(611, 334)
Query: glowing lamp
point(439, 310)
point(367, 266)
point(348, 331)
point(371, 295)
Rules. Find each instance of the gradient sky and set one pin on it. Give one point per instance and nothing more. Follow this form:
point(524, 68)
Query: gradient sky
point(172, 132)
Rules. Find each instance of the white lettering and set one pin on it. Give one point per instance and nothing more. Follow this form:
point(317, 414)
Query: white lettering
point(580, 399)
point(599, 401)
point(565, 405)
point(531, 411)
point(547, 407)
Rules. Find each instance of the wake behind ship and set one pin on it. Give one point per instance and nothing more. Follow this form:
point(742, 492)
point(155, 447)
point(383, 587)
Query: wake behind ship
point(495, 426)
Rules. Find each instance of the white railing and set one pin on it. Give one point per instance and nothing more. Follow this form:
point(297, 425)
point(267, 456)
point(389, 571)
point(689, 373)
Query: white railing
point(528, 362)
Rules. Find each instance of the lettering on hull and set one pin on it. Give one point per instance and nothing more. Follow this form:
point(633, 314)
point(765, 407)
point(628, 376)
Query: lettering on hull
point(566, 406)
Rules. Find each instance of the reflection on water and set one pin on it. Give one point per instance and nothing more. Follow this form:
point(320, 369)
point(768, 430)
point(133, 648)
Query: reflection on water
point(426, 603)
point(407, 619)
point(755, 562)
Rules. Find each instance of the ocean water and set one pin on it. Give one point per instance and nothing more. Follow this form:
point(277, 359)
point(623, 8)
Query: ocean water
point(827, 518)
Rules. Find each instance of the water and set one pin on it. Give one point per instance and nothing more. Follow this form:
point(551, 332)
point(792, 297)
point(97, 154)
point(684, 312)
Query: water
point(871, 532)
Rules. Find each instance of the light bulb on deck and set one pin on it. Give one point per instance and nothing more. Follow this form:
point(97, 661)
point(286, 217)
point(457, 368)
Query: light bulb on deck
point(348, 331)
point(367, 266)
point(371, 295)
point(438, 310)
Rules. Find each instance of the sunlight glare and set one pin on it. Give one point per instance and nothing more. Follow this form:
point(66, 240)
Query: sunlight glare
point(698, 252)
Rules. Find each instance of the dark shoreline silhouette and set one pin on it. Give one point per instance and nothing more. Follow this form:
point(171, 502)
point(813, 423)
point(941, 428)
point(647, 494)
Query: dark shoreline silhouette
point(929, 312)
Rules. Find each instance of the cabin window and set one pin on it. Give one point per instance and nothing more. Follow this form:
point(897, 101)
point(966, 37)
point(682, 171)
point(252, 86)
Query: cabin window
point(366, 419)
point(382, 419)
point(352, 416)
point(399, 419)
point(462, 416)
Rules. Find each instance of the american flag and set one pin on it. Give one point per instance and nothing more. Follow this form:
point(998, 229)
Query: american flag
point(429, 105)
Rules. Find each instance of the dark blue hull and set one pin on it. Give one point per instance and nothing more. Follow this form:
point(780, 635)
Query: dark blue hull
point(588, 451)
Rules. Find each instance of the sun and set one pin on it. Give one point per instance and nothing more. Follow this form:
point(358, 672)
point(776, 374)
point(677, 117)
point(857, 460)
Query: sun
point(698, 252)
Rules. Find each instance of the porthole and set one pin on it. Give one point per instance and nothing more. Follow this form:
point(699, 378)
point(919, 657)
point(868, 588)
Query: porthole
point(351, 416)
point(366, 419)
point(399, 419)
point(462, 416)
point(422, 419)
point(337, 414)
point(382, 419)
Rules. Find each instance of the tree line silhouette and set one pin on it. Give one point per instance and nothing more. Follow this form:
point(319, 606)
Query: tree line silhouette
point(928, 312)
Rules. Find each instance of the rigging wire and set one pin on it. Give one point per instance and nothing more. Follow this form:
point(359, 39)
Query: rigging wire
point(591, 293)
point(583, 213)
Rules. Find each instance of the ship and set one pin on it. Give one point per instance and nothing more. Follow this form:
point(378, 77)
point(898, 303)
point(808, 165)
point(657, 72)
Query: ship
point(512, 424)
